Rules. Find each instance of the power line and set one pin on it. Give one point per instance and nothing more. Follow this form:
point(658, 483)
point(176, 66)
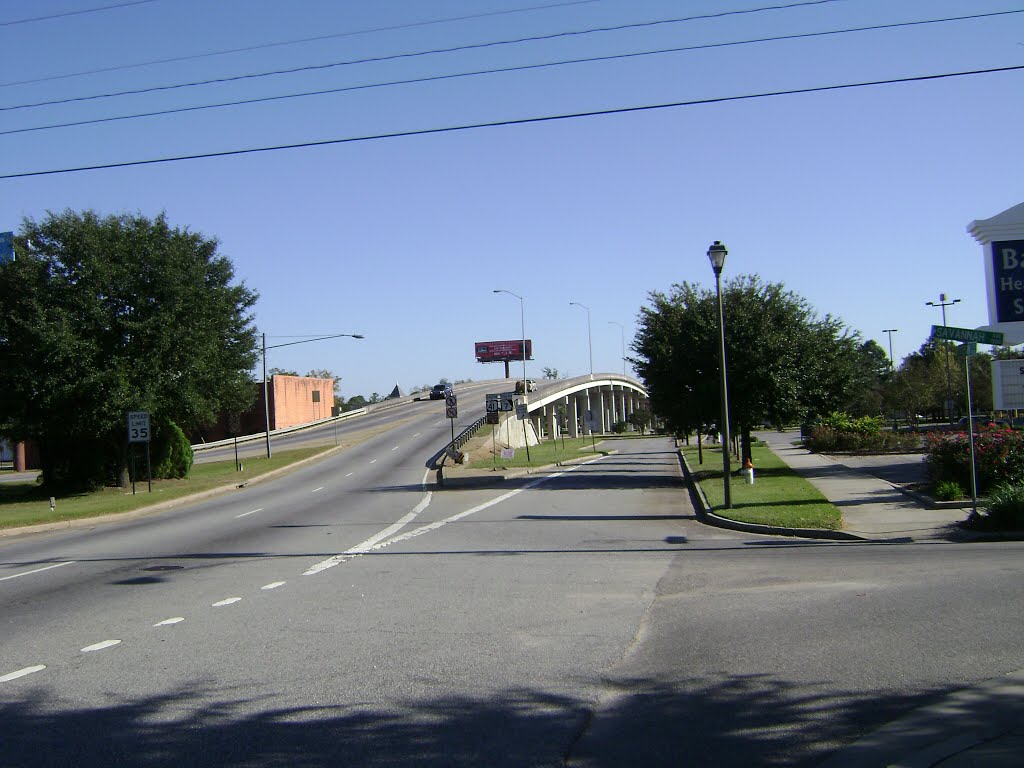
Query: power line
point(429, 52)
point(262, 46)
point(74, 13)
point(511, 122)
point(501, 70)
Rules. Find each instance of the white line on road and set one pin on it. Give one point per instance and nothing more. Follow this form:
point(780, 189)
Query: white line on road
point(249, 513)
point(100, 646)
point(317, 489)
point(417, 434)
point(373, 461)
point(367, 545)
point(37, 570)
point(395, 448)
point(227, 601)
point(168, 622)
point(21, 673)
point(274, 585)
point(350, 474)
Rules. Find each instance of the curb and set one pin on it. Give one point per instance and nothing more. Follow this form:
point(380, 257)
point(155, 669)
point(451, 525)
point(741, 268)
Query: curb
point(706, 515)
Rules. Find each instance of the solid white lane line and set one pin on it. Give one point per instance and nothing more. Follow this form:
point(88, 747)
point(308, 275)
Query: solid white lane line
point(350, 474)
point(395, 448)
point(373, 461)
point(168, 622)
point(100, 646)
point(37, 570)
point(273, 585)
point(367, 545)
point(317, 489)
point(227, 601)
point(249, 513)
point(21, 673)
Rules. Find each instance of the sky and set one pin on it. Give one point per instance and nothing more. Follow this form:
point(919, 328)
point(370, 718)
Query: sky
point(857, 199)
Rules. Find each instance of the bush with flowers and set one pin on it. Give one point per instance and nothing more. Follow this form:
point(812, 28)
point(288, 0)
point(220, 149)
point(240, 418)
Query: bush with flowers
point(841, 432)
point(999, 452)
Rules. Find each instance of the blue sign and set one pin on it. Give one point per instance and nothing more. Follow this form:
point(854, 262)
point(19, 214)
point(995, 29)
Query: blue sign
point(6, 247)
point(1008, 275)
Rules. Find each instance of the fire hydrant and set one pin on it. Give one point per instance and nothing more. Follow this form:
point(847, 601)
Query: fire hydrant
point(748, 470)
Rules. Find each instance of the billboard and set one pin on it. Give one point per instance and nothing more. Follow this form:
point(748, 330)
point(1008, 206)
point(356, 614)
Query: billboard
point(1008, 280)
point(502, 351)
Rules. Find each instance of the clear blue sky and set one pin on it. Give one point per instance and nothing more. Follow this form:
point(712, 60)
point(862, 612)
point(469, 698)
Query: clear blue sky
point(856, 199)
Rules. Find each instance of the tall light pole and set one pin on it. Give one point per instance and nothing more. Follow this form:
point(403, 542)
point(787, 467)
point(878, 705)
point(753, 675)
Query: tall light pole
point(622, 334)
point(266, 400)
point(717, 253)
point(891, 331)
point(590, 347)
point(949, 377)
point(526, 386)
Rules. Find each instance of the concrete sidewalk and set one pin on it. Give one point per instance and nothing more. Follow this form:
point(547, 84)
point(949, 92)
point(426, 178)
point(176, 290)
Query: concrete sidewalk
point(873, 508)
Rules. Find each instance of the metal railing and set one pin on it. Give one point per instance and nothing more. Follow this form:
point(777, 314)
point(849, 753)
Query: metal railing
point(437, 460)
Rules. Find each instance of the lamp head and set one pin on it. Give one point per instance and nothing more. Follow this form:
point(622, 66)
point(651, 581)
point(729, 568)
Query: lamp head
point(358, 336)
point(717, 253)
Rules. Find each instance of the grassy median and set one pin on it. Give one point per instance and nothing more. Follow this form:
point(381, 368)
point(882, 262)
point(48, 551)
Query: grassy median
point(778, 497)
point(27, 504)
point(548, 452)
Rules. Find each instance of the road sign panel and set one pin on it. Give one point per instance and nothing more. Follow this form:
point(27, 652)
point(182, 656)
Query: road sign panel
point(138, 426)
point(452, 412)
point(966, 334)
point(450, 400)
point(521, 411)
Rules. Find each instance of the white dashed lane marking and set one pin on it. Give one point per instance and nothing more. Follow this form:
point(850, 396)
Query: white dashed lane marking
point(317, 489)
point(168, 622)
point(37, 570)
point(274, 585)
point(227, 601)
point(350, 474)
point(373, 461)
point(249, 513)
point(100, 646)
point(21, 673)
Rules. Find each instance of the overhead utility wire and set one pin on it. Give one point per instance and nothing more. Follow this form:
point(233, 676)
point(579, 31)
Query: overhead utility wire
point(412, 54)
point(514, 121)
point(502, 70)
point(262, 46)
point(74, 13)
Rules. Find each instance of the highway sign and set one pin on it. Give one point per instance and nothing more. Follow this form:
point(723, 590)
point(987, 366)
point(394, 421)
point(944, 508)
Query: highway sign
point(521, 411)
point(505, 401)
point(138, 426)
point(451, 411)
point(966, 334)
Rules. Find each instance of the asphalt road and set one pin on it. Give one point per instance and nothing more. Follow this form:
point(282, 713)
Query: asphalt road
point(348, 614)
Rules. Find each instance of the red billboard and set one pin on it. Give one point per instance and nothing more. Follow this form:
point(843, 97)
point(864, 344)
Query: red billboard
point(502, 351)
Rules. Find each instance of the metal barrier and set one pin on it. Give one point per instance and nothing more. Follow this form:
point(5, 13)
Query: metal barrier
point(436, 462)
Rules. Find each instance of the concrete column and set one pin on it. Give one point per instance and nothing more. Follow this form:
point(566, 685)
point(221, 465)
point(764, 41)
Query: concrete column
point(572, 415)
point(602, 412)
point(551, 417)
point(615, 403)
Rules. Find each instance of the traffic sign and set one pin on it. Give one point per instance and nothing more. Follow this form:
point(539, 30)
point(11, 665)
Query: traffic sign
point(505, 401)
point(451, 412)
point(450, 400)
point(521, 411)
point(138, 426)
point(966, 334)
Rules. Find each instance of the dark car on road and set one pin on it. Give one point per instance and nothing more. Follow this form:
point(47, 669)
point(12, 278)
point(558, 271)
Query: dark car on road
point(440, 391)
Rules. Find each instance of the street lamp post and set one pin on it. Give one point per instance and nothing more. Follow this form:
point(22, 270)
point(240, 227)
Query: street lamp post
point(266, 400)
point(526, 386)
point(890, 331)
point(717, 253)
point(949, 376)
point(622, 335)
point(590, 346)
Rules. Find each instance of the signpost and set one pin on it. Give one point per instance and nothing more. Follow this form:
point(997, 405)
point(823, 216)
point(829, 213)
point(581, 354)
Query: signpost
point(451, 409)
point(138, 432)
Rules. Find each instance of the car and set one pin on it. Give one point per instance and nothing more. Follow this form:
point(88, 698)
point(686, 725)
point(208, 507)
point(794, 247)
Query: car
point(440, 391)
point(531, 386)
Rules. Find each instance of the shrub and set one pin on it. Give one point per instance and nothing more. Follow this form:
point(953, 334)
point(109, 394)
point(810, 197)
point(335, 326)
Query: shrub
point(827, 439)
point(171, 455)
point(999, 452)
point(619, 427)
point(948, 490)
point(1006, 506)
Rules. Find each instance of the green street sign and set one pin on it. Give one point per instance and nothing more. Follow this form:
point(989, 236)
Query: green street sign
point(968, 348)
point(966, 334)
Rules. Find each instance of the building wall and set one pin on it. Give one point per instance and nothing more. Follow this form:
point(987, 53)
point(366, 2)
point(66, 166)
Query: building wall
point(291, 400)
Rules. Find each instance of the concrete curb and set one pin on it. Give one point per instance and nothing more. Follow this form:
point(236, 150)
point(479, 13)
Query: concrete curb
point(706, 515)
point(160, 506)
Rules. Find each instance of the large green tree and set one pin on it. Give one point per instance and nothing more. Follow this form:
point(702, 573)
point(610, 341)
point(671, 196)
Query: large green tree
point(103, 315)
point(783, 361)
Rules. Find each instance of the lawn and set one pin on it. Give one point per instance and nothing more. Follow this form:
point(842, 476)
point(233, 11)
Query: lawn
point(778, 497)
point(27, 504)
point(548, 452)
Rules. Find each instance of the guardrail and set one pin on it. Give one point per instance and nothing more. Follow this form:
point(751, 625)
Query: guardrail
point(436, 462)
point(283, 431)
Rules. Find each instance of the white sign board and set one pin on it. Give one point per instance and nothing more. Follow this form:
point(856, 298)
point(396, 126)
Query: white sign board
point(1007, 384)
point(138, 426)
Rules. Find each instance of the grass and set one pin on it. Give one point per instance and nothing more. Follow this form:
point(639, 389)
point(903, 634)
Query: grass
point(778, 497)
point(548, 452)
point(27, 504)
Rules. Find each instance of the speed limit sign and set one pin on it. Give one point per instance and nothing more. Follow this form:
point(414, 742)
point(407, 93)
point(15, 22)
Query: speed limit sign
point(138, 426)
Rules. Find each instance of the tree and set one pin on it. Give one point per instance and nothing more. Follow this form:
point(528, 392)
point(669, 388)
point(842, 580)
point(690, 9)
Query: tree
point(102, 315)
point(281, 372)
point(550, 373)
point(323, 373)
point(783, 361)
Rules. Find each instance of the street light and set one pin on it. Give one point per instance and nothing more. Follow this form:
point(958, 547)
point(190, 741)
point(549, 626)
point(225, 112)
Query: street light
point(266, 400)
point(717, 253)
point(622, 334)
point(526, 386)
point(590, 346)
point(890, 331)
point(949, 380)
